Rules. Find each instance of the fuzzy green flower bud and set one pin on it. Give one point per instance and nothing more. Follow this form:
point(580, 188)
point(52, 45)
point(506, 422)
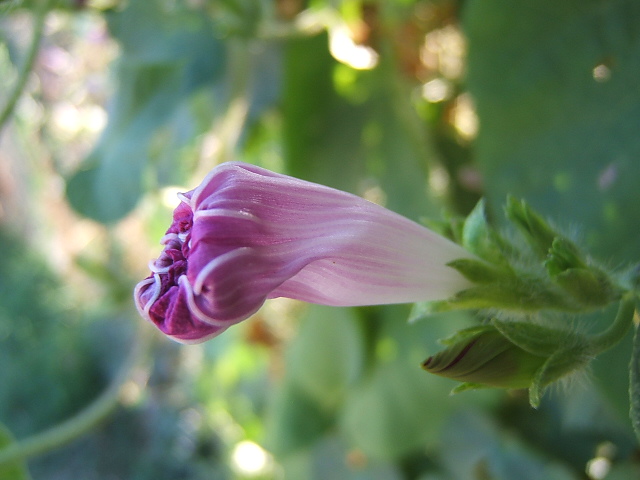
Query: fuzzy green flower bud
point(510, 355)
point(486, 357)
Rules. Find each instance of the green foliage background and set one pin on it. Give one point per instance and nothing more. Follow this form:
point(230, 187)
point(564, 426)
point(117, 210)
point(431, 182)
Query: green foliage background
point(327, 392)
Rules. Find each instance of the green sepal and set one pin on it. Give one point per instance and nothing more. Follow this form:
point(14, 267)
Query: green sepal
point(515, 293)
point(565, 351)
point(465, 334)
point(537, 339)
point(451, 227)
point(559, 364)
point(568, 268)
point(478, 271)
point(563, 255)
point(592, 288)
point(481, 239)
point(536, 230)
point(463, 387)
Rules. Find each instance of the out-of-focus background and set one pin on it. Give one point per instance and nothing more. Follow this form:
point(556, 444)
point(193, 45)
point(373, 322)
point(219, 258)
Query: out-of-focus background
point(423, 106)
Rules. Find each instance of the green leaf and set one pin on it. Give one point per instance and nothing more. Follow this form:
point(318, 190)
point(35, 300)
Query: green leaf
point(396, 408)
point(481, 272)
point(14, 470)
point(327, 354)
point(537, 339)
point(590, 287)
point(294, 420)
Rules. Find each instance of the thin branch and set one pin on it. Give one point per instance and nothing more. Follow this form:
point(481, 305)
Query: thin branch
point(83, 421)
point(40, 15)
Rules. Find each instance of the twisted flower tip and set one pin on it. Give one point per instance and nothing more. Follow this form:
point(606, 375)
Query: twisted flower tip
point(247, 234)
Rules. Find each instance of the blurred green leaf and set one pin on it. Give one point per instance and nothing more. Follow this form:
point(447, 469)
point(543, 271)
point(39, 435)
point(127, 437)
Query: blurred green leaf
point(295, 420)
point(321, 129)
point(13, 470)
point(397, 408)
point(331, 459)
point(44, 339)
point(169, 52)
point(327, 354)
point(473, 446)
point(560, 109)
point(374, 142)
point(395, 411)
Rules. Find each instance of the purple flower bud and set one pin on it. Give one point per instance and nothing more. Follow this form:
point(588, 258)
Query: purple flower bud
point(247, 234)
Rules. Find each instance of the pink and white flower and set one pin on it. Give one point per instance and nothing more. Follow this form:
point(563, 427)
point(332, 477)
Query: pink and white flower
point(247, 234)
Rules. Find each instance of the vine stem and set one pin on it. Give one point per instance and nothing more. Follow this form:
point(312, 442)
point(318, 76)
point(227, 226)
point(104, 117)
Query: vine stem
point(40, 14)
point(84, 420)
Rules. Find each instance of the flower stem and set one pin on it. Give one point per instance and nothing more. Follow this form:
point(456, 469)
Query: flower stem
point(619, 328)
point(40, 15)
point(84, 420)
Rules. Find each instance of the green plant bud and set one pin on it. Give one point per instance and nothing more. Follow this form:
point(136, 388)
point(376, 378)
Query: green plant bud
point(486, 357)
point(537, 231)
point(510, 355)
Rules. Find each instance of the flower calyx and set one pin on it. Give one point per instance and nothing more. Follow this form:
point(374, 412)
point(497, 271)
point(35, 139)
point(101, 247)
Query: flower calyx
point(546, 271)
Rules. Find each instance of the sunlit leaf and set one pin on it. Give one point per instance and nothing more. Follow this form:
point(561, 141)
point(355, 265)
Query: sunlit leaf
point(372, 145)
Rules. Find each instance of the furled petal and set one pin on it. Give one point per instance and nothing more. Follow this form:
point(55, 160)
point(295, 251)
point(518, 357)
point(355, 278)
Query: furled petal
point(247, 234)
